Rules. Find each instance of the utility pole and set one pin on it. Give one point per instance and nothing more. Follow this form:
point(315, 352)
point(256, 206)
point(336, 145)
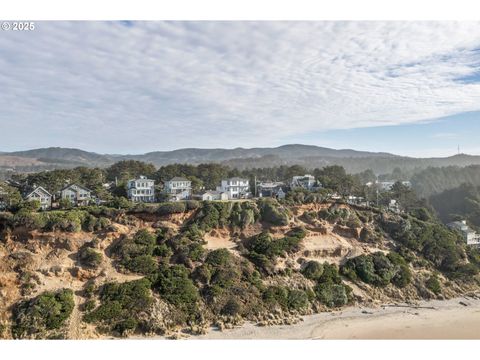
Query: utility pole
point(255, 185)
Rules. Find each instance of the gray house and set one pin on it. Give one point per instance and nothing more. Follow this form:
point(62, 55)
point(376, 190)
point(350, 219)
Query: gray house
point(141, 189)
point(42, 195)
point(178, 188)
point(77, 194)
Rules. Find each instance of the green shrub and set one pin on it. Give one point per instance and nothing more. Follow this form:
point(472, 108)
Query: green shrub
point(172, 208)
point(89, 257)
point(272, 212)
point(43, 316)
point(332, 295)
point(232, 307)
point(120, 303)
point(433, 284)
point(141, 264)
point(219, 257)
point(175, 286)
point(313, 270)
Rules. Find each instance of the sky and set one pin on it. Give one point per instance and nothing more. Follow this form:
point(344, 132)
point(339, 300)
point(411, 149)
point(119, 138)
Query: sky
point(409, 88)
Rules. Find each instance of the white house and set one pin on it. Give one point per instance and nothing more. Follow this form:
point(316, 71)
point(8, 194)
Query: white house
point(306, 181)
point(236, 188)
point(141, 189)
point(42, 195)
point(178, 188)
point(77, 194)
point(469, 235)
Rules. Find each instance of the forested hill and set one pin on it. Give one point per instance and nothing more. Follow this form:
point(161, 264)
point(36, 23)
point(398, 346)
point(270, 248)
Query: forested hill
point(240, 158)
point(436, 180)
point(462, 202)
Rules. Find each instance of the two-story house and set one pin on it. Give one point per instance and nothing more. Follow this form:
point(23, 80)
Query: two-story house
point(141, 189)
point(178, 188)
point(271, 189)
point(76, 194)
point(306, 181)
point(42, 195)
point(235, 188)
point(470, 236)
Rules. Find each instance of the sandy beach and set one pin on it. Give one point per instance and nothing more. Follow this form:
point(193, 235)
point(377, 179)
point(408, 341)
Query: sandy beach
point(448, 319)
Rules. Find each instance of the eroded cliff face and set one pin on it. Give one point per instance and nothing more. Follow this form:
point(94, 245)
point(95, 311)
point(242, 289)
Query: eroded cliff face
point(33, 262)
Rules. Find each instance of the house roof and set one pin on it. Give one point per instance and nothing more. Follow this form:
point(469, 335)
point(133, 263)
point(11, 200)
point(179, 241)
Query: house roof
point(141, 178)
point(80, 186)
point(38, 188)
point(236, 179)
point(178, 178)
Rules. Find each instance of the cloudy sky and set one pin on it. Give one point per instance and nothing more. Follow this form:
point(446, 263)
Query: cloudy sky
point(410, 88)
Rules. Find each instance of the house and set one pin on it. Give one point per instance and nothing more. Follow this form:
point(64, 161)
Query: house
point(356, 200)
point(141, 189)
point(211, 195)
point(42, 195)
point(235, 187)
point(469, 235)
point(306, 181)
point(270, 189)
point(77, 194)
point(178, 188)
point(394, 206)
point(3, 199)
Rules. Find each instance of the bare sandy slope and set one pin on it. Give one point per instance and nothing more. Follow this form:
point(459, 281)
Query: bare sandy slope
point(432, 320)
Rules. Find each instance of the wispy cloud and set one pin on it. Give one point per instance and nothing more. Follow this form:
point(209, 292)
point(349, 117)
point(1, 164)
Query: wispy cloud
point(137, 86)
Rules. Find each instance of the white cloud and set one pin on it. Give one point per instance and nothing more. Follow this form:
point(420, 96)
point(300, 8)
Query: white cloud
point(161, 85)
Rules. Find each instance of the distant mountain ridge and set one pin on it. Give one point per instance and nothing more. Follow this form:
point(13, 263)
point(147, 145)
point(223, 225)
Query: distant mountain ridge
point(309, 156)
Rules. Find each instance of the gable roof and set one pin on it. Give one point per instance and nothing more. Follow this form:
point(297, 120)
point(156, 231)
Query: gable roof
point(39, 188)
point(79, 186)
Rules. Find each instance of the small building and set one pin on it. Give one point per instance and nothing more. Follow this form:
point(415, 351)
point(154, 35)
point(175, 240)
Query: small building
point(212, 195)
point(469, 235)
point(235, 188)
point(77, 194)
point(141, 189)
point(306, 182)
point(271, 189)
point(178, 188)
point(42, 195)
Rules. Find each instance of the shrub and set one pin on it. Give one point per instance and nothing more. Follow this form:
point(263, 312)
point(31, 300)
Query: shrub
point(378, 269)
point(232, 307)
point(313, 270)
point(219, 257)
point(332, 295)
point(272, 212)
point(172, 208)
point(433, 284)
point(122, 304)
point(89, 257)
point(141, 264)
point(174, 285)
point(43, 316)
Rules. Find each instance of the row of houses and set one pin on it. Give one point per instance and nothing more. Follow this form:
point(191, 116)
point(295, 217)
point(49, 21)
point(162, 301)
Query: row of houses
point(142, 189)
point(76, 194)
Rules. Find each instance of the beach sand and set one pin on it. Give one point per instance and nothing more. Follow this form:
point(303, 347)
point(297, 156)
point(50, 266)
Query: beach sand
point(447, 319)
